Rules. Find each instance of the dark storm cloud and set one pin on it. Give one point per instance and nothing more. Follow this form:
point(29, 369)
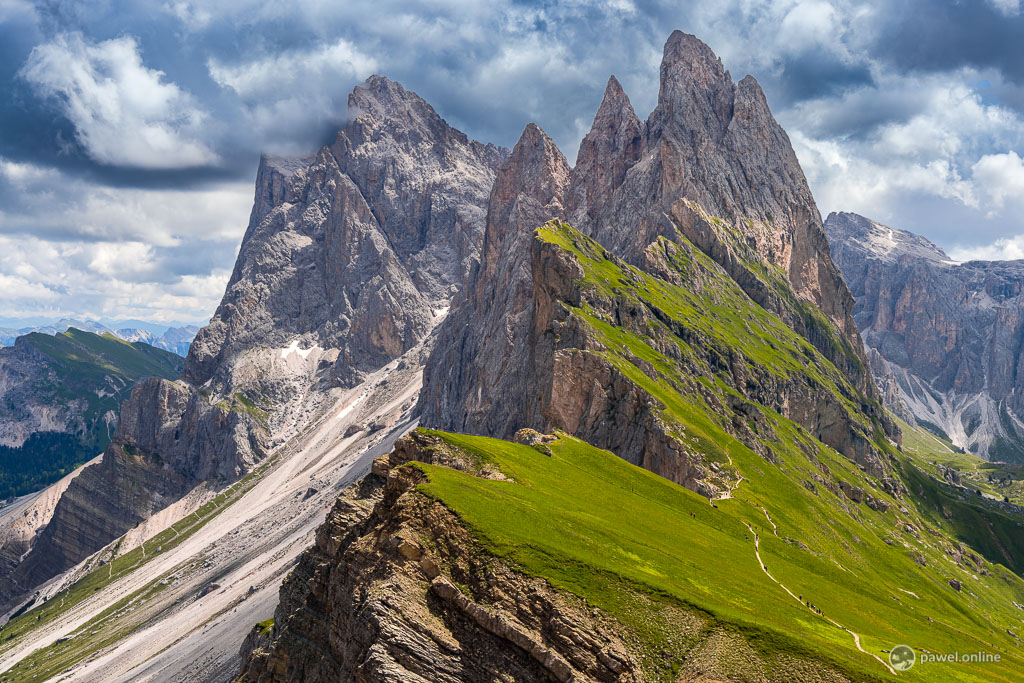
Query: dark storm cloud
point(814, 75)
point(940, 36)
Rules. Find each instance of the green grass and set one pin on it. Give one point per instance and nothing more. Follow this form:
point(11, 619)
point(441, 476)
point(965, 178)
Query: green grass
point(932, 454)
point(598, 527)
point(83, 365)
point(709, 317)
point(265, 626)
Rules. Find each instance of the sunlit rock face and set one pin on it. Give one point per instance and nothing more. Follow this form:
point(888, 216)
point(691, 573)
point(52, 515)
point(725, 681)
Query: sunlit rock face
point(950, 335)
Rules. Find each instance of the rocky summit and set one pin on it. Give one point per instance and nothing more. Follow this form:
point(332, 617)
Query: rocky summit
point(947, 335)
point(502, 359)
point(473, 414)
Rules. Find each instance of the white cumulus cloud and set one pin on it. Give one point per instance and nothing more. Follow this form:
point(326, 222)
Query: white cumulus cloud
point(124, 113)
point(1000, 177)
point(281, 93)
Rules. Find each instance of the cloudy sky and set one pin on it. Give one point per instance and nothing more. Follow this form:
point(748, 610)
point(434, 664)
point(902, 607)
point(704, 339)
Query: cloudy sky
point(130, 130)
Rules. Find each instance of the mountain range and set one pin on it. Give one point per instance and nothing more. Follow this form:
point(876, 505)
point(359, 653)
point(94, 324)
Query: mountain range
point(473, 414)
point(173, 338)
point(944, 337)
point(60, 395)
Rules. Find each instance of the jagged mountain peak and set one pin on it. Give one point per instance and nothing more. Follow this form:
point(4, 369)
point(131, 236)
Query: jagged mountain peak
point(693, 85)
point(711, 169)
point(348, 256)
point(397, 221)
point(536, 166)
point(614, 144)
point(852, 231)
point(381, 97)
point(687, 49)
point(615, 104)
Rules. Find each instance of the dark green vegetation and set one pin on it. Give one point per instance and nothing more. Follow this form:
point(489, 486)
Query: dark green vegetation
point(44, 457)
point(80, 374)
point(640, 547)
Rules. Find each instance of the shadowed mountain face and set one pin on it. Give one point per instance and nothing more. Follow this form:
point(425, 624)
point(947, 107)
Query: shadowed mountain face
point(948, 336)
point(709, 169)
point(350, 258)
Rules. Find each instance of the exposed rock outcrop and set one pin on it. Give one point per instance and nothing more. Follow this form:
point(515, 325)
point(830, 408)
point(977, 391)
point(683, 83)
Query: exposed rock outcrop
point(403, 592)
point(376, 599)
point(710, 168)
point(356, 248)
point(712, 163)
point(477, 374)
point(350, 259)
point(948, 334)
point(168, 441)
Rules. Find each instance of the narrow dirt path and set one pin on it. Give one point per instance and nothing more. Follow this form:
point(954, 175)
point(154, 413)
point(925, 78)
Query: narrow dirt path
point(775, 529)
point(727, 494)
point(764, 568)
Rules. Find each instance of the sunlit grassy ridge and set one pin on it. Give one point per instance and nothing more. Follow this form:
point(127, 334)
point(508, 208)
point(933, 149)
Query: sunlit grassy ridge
point(706, 308)
point(594, 525)
point(608, 531)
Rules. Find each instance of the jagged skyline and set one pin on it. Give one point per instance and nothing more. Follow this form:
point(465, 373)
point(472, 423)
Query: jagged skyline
point(146, 119)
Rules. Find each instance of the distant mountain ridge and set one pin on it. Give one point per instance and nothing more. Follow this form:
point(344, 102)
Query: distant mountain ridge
point(946, 337)
point(349, 261)
point(70, 383)
point(173, 338)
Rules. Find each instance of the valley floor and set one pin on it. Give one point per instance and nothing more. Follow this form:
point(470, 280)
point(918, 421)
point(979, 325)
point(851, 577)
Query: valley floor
point(184, 610)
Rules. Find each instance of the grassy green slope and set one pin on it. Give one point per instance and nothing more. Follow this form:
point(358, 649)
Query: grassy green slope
point(96, 372)
point(996, 480)
point(86, 358)
point(714, 314)
point(882, 571)
point(601, 528)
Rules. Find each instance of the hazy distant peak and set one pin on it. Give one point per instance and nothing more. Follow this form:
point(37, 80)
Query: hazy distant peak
point(851, 230)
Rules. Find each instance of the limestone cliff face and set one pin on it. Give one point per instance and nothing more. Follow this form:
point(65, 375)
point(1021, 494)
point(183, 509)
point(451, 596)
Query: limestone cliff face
point(356, 248)
point(169, 439)
point(712, 163)
point(484, 349)
point(950, 334)
point(710, 168)
point(349, 259)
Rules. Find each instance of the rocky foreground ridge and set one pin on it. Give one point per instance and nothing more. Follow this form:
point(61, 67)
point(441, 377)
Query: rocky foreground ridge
point(947, 335)
point(397, 588)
